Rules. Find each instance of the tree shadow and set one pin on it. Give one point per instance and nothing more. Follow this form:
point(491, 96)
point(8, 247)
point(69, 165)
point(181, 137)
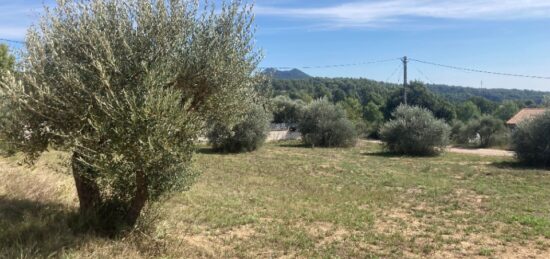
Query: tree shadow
point(206, 151)
point(382, 154)
point(517, 165)
point(293, 145)
point(35, 229)
point(388, 154)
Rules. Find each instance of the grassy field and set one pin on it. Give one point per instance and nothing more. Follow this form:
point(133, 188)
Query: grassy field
point(289, 201)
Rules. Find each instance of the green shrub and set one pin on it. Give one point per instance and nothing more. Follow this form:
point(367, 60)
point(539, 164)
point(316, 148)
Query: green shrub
point(531, 141)
point(374, 119)
point(7, 62)
point(483, 132)
point(286, 110)
point(415, 131)
point(457, 133)
point(246, 136)
point(326, 125)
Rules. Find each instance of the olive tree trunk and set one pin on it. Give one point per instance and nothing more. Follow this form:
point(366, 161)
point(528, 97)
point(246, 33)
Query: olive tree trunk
point(87, 189)
point(89, 195)
point(139, 200)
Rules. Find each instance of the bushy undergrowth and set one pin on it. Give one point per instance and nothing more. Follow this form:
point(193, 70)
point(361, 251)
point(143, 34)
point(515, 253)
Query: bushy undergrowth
point(415, 131)
point(247, 135)
point(483, 132)
point(531, 141)
point(326, 125)
point(286, 110)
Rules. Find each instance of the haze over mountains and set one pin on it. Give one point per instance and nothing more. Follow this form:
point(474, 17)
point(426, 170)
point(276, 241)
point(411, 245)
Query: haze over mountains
point(451, 93)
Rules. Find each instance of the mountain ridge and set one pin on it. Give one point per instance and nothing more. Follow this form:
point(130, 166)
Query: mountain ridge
point(292, 74)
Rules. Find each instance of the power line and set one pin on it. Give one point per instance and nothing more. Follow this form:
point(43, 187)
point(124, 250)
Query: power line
point(480, 71)
point(393, 73)
point(425, 76)
point(338, 65)
point(12, 41)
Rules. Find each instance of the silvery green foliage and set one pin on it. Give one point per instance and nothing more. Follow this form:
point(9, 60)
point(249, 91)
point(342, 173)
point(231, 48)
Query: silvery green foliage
point(531, 141)
point(324, 124)
point(286, 110)
point(482, 132)
point(246, 136)
point(415, 131)
point(127, 86)
point(7, 62)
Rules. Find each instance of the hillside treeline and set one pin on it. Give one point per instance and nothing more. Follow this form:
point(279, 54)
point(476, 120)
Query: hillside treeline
point(369, 103)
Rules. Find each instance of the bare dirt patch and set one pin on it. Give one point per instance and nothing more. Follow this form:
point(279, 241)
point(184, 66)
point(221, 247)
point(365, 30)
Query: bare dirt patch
point(482, 152)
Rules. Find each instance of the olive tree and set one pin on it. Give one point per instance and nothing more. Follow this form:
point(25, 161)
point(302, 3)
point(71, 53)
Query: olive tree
point(324, 124)
point(483, 132)
point(126, 87)
point(286, 110)
point(531, 141)
point(7, 62)
point(415, 131)
point(246, 136)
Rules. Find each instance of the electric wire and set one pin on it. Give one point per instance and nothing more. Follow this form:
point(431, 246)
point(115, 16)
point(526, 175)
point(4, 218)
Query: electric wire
point(425, 76)
point(393, 73)
point(384, 61)
point(338, 65)
point(12, 41)
point(480, 71)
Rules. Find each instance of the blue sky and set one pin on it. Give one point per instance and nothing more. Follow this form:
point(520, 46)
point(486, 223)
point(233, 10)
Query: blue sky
point(510, 36)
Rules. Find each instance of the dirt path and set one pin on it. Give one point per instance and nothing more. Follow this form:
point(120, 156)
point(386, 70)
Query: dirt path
point(477, 151)
point(482, 151)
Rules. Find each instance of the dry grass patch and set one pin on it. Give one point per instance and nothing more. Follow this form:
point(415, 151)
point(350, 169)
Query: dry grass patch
point(287, 201)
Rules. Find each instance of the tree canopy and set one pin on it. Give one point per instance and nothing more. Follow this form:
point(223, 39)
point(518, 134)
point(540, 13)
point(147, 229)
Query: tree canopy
point(7, 60)
point(126, 87)
point(419, 95)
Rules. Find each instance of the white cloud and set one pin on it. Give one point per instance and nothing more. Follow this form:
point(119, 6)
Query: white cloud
point(13, 32)
point(375, 13)
point(16, 16)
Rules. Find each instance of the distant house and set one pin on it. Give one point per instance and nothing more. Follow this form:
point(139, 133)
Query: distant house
point(524, 114)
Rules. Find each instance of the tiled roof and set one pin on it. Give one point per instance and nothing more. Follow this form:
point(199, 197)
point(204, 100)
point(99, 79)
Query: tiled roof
point(525, 114)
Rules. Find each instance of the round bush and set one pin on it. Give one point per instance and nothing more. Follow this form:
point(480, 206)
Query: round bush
point(286, 110)
point(415, 131)
point(531, 141)
point(324, 124)
point(246, 136)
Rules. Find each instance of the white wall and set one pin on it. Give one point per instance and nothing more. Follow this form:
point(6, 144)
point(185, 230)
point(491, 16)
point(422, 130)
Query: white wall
point(278, 135)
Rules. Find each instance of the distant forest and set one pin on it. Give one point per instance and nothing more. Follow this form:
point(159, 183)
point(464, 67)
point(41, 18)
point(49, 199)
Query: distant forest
point(315, 87)
point(301, 85)
point(370, 97)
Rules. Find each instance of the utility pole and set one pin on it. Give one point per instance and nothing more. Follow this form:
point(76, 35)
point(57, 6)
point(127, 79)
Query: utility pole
point(405, 61)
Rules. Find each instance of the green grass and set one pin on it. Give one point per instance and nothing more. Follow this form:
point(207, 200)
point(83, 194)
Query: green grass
point(290, 201)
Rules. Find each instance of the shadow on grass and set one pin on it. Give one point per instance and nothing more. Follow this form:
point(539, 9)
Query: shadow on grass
point(34, 229)
point(382, 154)
point(206, 151)
point(516, 165)
point(211, 151)
point(389, 154)
point(293, 145)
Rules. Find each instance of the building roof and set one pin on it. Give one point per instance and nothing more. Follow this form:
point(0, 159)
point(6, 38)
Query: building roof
point(524, 114)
